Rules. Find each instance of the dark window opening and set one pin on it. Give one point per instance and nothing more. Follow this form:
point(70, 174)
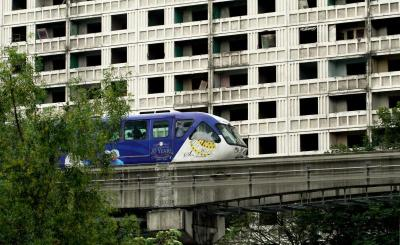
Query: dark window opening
point(393, 65)
point(393, 27)
point(93, 60)
point(156, 17)
point(237, 10)
point(308, 106)
point(238, 80)
point(50, 30)
point(230, 78)
point(229, 9)
point(355, 140)
point(267, 74)
point(135, 130)
point(267, 145)
point(192, 13)
point(356, 68)
point(85, 26)
point(119, 22)
point(308, 35)
point(93, 27)
point(356, 102)
point(118, 55)
point(55, 95)
point(304, 4)
point(232, 112)
point(354, 1)
point(309, 142)
point(266, 6)
point(198, 15)
point(191, 47)
point(84, 59)
point(155, 85)
point(238, 44)
point(156, 51)
point(387, 26)
point(230, 43)
point(246, 141)
point(18, 4)
point(267, 39)
point(352, 30)
point(50, 63)
point(191, 82)
point(58, 2)
point(267, 109)
point(393, 101)
point(308, 70)
point(18, 34)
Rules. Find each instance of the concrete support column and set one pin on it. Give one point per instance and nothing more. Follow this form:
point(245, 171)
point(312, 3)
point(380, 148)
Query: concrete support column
point(200, 226)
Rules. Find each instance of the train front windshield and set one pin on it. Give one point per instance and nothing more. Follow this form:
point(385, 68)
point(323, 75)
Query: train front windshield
point(231, 135)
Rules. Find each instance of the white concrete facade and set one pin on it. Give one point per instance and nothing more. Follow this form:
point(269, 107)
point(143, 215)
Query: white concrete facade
point(333, 62)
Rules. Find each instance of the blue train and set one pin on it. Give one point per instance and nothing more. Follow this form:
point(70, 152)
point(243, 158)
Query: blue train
point(175, 137)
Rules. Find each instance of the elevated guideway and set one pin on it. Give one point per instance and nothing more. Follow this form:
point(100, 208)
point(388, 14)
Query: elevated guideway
point(175, 194)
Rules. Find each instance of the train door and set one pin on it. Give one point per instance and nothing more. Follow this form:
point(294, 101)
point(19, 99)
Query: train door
point(162, 140)
point(134, 145)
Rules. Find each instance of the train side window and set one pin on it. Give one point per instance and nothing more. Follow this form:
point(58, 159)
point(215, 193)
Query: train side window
point(205, 132)
point(135, 130)
point(160, 129)
point(181, 127)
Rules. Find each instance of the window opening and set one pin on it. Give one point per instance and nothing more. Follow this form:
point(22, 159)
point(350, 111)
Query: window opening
point(55, 95)
point(135, 130)
point(230, 134)
point(160, 129)
point(119, 22)
point(309, 142)
point(308, 106)
point(308, 34)
point(267, 145)
point(267, 39)
point(238, 112)
point(18, 34)
point(18, 4)
point(118, 55)
point(181, 127)
point(206, 133)
point(50, 30)
point(156, 17)
point(267, 74)
point(304, 4)
point(266, 6)
point(393, 101)
point(156, 51)
point(308, 70)
point(155, 85)
point(356, 68)
point(267, 109)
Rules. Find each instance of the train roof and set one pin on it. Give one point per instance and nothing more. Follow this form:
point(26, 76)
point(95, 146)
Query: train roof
point(180, 115)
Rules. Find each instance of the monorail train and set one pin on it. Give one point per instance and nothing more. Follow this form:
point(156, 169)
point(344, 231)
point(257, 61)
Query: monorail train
point(175, 137)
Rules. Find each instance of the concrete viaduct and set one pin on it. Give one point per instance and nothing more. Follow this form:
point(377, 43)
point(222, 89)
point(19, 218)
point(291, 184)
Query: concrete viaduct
point(192, 196)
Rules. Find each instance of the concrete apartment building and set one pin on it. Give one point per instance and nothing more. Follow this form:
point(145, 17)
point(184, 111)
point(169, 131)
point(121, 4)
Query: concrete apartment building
point(295, 76)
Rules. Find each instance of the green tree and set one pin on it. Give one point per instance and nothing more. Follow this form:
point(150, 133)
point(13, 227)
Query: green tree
point(39, 202)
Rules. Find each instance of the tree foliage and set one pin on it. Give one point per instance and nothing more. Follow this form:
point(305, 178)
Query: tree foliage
point(40, 203)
